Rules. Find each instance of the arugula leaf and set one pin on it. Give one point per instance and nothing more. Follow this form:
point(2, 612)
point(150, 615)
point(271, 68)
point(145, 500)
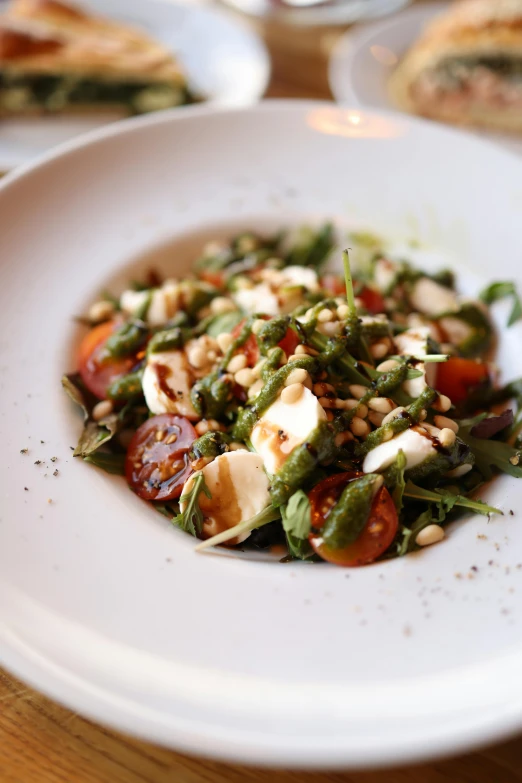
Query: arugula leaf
point(312, 247)
point(492, 453)
point(191, 519)
point(268, 514)
point(297, 522)
point(447, 500)
point(501, 290)
point(223, 323)
point(409, 534)
point(110, 463)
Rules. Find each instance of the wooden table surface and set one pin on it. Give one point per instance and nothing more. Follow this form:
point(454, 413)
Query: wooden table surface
point(42, 742)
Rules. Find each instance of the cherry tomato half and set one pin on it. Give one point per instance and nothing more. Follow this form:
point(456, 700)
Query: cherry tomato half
point(97, 373)
point(216, 278)
point(157, 463)
point(377, 535)
point(333, 284)
point(372, 300)
point(251, 349)
point(456, 377)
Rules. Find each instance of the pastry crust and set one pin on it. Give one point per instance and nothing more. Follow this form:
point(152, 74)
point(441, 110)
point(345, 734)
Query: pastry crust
point(47, 37)
point(474, 30)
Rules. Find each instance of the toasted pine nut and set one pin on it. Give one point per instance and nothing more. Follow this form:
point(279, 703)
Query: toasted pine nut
point(359, 427)
point(296, 376)
point(388, 365)
point(291, 394)
point(197, 356)
point(460, 471)
point(381, 405)
point(357, 390)
point(245, 377)
point(393, 414)
point(257, 370)
point(238, 362)
point(222, 304)
point(431, 534)
point(343, 311)
point(423, 415)
point(202, 427)
point(446, 437)
point(443, 422)
point(102, 409)
point(255, 389)
point(375, 418)
point(379, 350)
point(236, 446)
point(224, 340)
point(343, 437)
point(101, 311)
point(330, 329)
point(258, 325)
point(305, 349)
point(325, 315)
point(325, 402)
point(442, 403)
point(320, 389)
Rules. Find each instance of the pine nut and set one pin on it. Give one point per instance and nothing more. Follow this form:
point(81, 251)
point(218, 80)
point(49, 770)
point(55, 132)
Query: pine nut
point(102, 409)
point(197, 357)
point(325, 315)
point(291, 394)
point(423, 415)
point(446, 437)
point(238, 362)
point(431, 534)
point(381, 405)
point(393, 414)
point(101, 311)
point(357, 391)
point(215, 425)
point(375, 418)
point(308, 383)
point(330, 329)
point(294, 356)
point(342, 438)
point(236, 446)
point(257, 370)
point(245, 377)
point(222, 304)
point(379, 350)
point(387, 435)
point(329, 416)
point(343, 311)
point(460, 471)
point(431, 430)
point(296, 376)
point(350, 405)
point(224, 341)
point(444, 423)
point(202, 427)
point(442, 404)
point(388, 365)
point(320, 389)
point(325, 402)
point(255, 389)
point(258, 325)
point(301, 349)
point(359, 427)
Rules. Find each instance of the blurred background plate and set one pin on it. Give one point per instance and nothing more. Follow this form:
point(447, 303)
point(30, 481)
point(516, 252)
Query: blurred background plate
point(317, 12)
point(225, 62)
point(363, 59)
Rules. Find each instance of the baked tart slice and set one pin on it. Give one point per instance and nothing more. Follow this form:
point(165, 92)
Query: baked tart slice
point(466, 68)
point(55, 58)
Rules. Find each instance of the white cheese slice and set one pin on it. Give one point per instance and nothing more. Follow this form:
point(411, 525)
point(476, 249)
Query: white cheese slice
point(415, 445)
point(414, 342)
point(239, 488)
point(300, 275)
point(430, 298)
point(384, 274)
point(164, 303)
point(283, 426)
point(259, 299)
point(166, 384)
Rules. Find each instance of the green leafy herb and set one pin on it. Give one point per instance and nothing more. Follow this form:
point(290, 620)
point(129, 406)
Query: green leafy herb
point(502, 290)
point(447, 500)
point(313, 247)
point(394, 480)
point(110, 463)
point(297, 523)
point(94, 434)
point(191, 519)
point(493, 453)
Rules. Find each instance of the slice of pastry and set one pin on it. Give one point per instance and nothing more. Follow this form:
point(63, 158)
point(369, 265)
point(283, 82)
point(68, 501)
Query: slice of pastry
point(467, 67)
point(56, 58)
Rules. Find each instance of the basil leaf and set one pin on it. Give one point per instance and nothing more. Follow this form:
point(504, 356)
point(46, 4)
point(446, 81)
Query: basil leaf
point(297, 516)
point(501, 290)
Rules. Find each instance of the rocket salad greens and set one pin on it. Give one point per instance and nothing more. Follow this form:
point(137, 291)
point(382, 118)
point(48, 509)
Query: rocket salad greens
point(266, 400)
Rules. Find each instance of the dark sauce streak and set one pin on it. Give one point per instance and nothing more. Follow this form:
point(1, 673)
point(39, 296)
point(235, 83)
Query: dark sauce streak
point(162, 374)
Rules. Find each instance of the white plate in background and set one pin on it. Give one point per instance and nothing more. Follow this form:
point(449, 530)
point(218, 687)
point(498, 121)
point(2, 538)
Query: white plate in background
point(225, 61)
point(103, 604)
point(363, 58)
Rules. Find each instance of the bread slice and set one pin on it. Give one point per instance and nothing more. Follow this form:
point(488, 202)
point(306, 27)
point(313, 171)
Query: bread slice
point(466, 68)
point(55, 58)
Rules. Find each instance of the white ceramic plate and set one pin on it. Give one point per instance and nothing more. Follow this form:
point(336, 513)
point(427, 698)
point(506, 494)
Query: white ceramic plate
point(303, 13)
point(106, 607)
point(224, 59)
point(363, 59)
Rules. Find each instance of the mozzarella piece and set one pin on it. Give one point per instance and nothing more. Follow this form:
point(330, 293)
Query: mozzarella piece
point(239, 489)
point(283, 426)
point(457, 330)
point(164, 303)
point(300, 275)
point(431, 298)
point(384, 274)
point(259, 299)
point(414, 342)
point(415, 445)
point(166, 384)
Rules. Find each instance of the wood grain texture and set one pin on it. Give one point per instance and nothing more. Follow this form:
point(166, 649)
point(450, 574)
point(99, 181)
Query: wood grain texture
point(41, 742)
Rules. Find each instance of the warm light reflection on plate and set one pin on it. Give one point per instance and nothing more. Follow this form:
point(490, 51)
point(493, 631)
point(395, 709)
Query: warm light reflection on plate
point(383, 55)
point(354, 124)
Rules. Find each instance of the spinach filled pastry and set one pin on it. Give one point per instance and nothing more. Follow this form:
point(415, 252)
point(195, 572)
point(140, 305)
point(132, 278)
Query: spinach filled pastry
point(55, 58)
point(467, 67)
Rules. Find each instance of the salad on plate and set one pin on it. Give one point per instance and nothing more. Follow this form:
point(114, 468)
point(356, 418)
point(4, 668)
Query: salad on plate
point(264, 401)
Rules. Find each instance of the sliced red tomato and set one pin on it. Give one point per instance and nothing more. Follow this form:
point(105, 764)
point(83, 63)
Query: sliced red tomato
point(251, 349)
point(157, 464)
point(97, 372)
point(215, 278)
point(372, 300)
point(457, 376)
point(333, 284)
point(377, 535)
